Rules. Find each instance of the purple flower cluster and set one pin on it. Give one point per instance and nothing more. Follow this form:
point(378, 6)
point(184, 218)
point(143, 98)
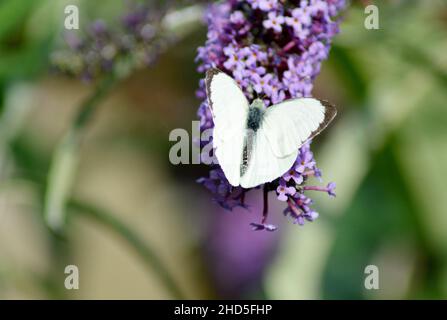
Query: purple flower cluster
point(273, 49)
point(136, 42)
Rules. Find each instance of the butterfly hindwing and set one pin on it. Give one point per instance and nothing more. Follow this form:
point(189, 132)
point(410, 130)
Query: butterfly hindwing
point(264, 166)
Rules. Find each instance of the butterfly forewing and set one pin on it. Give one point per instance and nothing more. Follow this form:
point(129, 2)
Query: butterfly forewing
point(291, 123)
point(229, 108)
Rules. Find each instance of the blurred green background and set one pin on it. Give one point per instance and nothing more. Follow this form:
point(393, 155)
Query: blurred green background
point(150, 227)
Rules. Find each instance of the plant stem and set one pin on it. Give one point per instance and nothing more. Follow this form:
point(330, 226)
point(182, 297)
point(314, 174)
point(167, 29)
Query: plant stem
point(147, 253)
point(62, 171)
point(265, 209)
point(65, 158)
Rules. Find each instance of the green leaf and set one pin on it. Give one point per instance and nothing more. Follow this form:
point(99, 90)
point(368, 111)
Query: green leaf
point(28, 61)
point(382, 213)
point(65, 159)
point(13, 13)
point(349, 72)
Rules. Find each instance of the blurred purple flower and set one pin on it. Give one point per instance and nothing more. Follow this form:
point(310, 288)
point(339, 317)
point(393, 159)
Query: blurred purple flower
point(330, 188)
point(263, 226)
point(295, 174)
point(274, 22)
point(272, 48)
point(284, 191)
point(237, 260)
point(137, 40)
point(237, 17)
point(261, 83)
point(267, 5)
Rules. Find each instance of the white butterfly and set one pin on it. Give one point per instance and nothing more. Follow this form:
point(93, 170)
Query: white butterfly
point(255, 144)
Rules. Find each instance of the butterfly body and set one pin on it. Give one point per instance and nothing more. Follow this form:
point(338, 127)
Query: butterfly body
point(255, 144)
point(255, 114)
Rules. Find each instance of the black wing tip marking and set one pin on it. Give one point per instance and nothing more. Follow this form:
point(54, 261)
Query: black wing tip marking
point(210, 73)
point(329, 114)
